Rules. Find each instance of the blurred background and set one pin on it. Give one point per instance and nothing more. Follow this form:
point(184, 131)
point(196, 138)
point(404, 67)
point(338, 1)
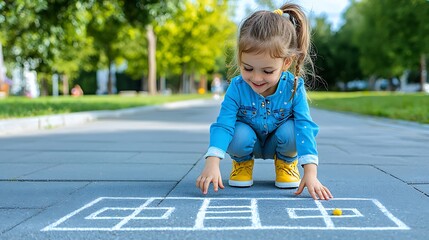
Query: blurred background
point(63, 47)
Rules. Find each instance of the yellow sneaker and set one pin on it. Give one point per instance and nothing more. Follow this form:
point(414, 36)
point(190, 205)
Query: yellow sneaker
point(241, 174)
point(287, 174)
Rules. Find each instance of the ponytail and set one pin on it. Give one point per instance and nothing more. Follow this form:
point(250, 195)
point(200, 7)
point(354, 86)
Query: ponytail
point(302, 29)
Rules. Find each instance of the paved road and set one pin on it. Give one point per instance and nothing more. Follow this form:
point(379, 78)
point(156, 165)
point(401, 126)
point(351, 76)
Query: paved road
point(133, 178)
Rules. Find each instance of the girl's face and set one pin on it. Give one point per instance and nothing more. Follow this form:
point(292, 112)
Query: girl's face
point(262, 72)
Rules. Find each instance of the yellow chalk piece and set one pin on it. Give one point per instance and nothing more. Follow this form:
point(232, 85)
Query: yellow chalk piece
point(337, 212)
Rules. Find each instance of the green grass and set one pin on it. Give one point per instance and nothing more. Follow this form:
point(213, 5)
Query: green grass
point(411, 107)
point(18, 107)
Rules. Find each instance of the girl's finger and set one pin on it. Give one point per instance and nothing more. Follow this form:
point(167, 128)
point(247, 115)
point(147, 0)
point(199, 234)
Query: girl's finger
point(206, 185)
point(220, 182)
point(300, 188)
point(197, 183)
point(312, 193)
point(320, 194)
point(215, 185)
point(201, 184)
point(328, 192)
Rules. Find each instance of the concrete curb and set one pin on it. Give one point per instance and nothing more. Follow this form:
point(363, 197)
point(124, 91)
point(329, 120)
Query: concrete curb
point(19, 125)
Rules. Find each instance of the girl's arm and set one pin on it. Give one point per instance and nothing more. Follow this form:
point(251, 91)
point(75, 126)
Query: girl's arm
point(314, 186)
point(221, 133)
point(306, 131)
point(210, 174)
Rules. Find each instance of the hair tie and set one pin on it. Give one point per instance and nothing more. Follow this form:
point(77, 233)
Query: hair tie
point(291, 18)
point(278, 11)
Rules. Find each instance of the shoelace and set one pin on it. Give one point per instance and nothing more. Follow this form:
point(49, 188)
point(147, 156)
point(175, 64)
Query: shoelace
point(240, 167)
point(289, 171)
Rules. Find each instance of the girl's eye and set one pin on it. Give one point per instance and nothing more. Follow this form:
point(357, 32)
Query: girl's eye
point(247, 69)
point(269, 72)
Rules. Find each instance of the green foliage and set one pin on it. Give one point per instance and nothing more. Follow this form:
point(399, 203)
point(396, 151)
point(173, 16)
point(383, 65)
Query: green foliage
point(50, 36)
point(106, 21)
point(380, 38)
point(324, 55)
point(411, 107)
point(335, 55)
point(194, 37)
point(133, 44)
point(47, 36)
point(390, 34)
point(16, 107)
point(144, 12)
point(68, 37)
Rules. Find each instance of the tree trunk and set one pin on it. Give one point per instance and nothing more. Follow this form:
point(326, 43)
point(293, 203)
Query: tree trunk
point(143, 84)
point(65, 85)
point(390, 87)
point(192, 82)
point(371, 83)
point(183, 79)
point(423, 74)
point(44, 83)
point(55, 85)
point(2, 74)
point(151, 60)
point(162, 84)
point(109, 78)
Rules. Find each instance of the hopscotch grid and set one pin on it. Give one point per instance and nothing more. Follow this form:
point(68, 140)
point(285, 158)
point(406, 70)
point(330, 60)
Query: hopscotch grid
point(388, 214)
point(70, 215)
point(219, 212)
point(216, 207)
point(199, 221)
point(134, 214)
point(256, 221)
point(228, 217)
point(94, 215)
point(255, 217)
point(240, 198)
point(232, 228)
point(292, 213)
point(203, 212)
point(325, 215)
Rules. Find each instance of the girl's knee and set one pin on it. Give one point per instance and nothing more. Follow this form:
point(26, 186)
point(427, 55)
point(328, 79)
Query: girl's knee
point(286, 138)
point(243, 141)
point(286, 132)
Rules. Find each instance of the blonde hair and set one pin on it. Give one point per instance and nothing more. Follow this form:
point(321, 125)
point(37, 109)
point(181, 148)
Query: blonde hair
point(283, 36)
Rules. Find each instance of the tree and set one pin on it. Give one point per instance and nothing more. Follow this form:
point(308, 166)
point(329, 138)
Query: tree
point(107, 20)
point(346, 55)
point(194, 37)
point(74, 47)
point(20, 24)
point(323, 47)
point(46, 36)
point(391, 41)
point(143, 14)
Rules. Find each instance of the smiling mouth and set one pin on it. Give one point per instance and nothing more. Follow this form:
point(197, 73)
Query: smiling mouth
point(258, 85)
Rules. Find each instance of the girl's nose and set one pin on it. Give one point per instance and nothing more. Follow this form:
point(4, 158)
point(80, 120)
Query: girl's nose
point(257, 77)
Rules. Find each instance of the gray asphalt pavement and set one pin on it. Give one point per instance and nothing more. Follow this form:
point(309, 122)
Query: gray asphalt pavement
point(133, 177)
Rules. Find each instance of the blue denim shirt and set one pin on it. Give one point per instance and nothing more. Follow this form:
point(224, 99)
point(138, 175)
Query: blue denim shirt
point(264, 115)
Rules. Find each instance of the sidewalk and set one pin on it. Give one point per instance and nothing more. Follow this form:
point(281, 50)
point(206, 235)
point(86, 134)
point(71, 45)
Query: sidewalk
point(133, 177)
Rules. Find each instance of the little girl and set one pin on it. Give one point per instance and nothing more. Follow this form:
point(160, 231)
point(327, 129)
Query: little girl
point(265, 113)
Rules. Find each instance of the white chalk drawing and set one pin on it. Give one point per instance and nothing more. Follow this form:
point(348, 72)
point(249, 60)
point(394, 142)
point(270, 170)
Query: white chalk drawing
point(222, 214)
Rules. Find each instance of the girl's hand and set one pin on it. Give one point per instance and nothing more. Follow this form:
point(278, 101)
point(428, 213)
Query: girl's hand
point(314, 186)
point(210, 174)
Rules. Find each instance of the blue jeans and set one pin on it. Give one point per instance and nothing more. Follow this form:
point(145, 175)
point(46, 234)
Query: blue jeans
point(246, 144)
